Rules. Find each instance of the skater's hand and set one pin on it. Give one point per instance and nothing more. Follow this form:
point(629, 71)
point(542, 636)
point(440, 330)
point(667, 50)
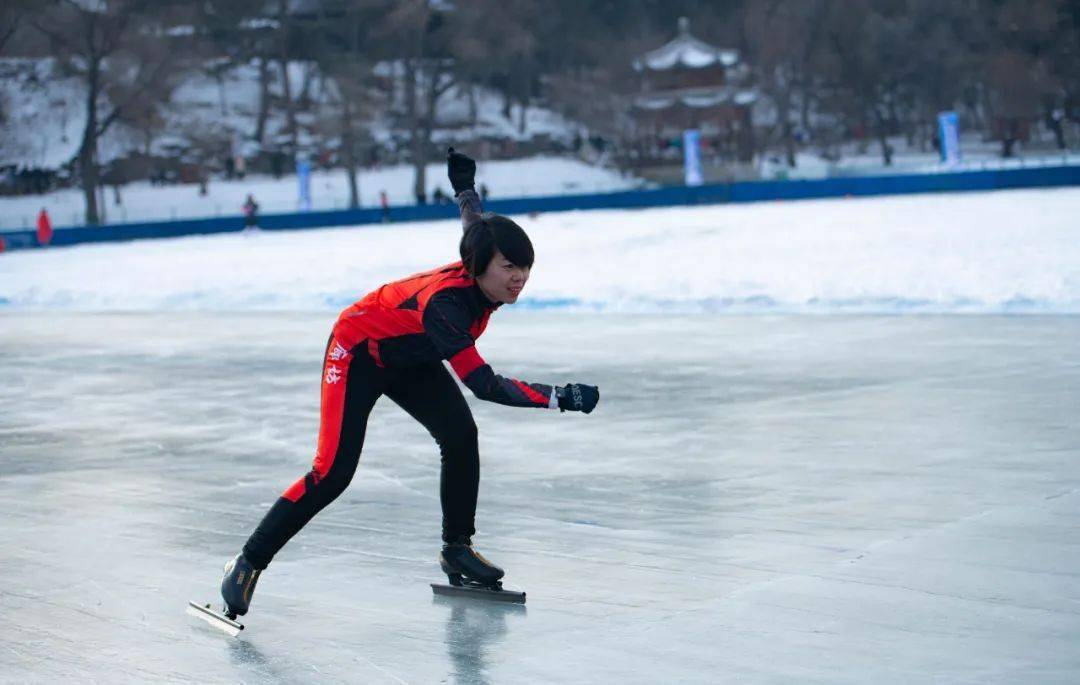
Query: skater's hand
point(461, 169)
point(577, 397)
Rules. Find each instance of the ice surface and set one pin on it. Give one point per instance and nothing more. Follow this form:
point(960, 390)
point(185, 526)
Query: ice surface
point(968, 252)
point(757, 499)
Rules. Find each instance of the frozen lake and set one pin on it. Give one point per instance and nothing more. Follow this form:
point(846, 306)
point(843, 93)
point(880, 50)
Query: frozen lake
point(762, 498)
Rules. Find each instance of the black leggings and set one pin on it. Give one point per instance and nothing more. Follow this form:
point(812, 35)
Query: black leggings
point(429, 394)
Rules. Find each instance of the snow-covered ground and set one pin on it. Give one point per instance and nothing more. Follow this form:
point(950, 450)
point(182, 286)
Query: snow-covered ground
point(855, 160)
point(544, 175)
point(1009, 251)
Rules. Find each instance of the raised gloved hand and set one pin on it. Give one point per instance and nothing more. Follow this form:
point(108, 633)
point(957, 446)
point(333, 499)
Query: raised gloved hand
point(461, 169)
point(577, 397)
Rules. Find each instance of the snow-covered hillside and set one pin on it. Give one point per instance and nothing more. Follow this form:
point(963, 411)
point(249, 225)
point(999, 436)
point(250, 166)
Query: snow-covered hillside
point(970, 252)
point(45, 111)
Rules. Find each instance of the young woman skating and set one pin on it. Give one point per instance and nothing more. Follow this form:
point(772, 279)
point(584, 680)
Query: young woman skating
point(393, 342)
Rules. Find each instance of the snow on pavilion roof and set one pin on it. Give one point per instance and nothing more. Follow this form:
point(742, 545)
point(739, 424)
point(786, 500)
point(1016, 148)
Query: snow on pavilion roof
point(686, 52)
point(697, 98)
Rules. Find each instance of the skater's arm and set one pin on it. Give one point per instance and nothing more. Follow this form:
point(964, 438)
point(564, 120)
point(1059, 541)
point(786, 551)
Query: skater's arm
point(479, 377)
point(447, 325)
point(488, 385)
point(462, 171)
point(468, 203)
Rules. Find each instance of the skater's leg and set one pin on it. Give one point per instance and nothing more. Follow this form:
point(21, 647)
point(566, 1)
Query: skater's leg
point(350, 387)
point(430, 395)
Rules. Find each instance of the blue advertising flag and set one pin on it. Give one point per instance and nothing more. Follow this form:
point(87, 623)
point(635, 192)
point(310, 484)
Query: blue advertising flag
point(692, 156)
point(303, 175)
point(949, 135)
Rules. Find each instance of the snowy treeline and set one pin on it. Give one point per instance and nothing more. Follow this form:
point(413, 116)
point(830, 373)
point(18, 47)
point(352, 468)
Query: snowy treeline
point(133, 89)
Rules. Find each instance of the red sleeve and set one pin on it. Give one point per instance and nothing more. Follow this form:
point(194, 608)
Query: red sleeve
point(477, 375)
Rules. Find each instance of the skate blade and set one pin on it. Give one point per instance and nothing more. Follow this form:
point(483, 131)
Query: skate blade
point(214, 618)
point(512, 596)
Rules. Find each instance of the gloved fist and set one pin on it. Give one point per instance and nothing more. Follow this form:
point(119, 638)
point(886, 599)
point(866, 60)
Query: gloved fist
point(461, 169)
point(577, 397)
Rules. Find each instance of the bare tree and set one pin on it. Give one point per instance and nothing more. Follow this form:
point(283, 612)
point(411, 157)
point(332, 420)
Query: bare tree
point(13, 16)
point(781, 38)
point(120, 50)
point(422, 31)
point(284, 56)
point(868, 66)
point(346, 44)
point(1017, 62)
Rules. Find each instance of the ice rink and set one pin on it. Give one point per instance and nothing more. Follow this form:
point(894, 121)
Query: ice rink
point(767, 499)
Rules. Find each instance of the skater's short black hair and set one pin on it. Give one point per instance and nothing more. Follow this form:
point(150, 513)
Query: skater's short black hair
point(494, 232)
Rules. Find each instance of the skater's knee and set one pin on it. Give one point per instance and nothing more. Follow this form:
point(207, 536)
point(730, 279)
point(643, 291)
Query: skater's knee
point(334, 483)
point(460, 435)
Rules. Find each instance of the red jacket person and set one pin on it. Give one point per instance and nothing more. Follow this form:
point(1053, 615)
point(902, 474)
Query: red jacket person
point(392, 342)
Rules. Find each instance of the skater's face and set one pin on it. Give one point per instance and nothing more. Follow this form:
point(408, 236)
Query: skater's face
point(503, 280)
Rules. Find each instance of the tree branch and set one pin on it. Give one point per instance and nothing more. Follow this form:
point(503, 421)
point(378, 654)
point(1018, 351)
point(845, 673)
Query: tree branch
point(118, 110)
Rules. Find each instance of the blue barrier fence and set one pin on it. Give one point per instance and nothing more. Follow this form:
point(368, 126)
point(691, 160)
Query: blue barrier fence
point(660, 197)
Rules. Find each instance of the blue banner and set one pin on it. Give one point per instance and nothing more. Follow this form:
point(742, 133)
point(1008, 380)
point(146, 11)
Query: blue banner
point(949, 135)
point(303, 175)
point(692, 156)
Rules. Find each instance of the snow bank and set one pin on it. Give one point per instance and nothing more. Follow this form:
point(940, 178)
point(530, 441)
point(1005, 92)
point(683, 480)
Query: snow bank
point(970, 252)
point(542, 175)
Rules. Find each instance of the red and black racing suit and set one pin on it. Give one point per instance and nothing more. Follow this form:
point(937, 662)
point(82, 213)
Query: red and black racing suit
point(392, 342)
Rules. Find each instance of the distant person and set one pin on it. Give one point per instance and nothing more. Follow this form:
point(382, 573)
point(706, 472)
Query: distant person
point(241, 167)
point(393, 342)
point(439, 197)
point(44, 228)
point(230, 167)
point(483, 192)
point(384, 202)
point(251, 213)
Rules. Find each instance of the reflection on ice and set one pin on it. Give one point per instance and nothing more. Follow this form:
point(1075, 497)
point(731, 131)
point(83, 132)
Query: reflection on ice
point(473, 630)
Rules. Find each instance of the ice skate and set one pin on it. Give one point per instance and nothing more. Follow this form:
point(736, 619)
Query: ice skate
point(237, 586)
point(471, 575)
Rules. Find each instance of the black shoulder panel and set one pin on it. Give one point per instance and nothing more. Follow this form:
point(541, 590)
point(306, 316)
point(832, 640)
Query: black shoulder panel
point(411, 304)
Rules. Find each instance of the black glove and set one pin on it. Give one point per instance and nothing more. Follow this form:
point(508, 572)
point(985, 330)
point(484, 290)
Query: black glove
point(461, 169)
point(577, 397)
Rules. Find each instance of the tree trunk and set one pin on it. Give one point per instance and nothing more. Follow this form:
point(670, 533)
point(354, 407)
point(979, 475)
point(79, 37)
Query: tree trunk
point(746, 142)
point(783, 104)
point(221, 93)
point(264, 98)
point(1053, 122)
point(88, 172)
point(1008, 141)
point(413, 115)
point(349, 148)
point(881, 125)
point(526, 89)
point(88, 148)
point(290, 109)
point(507, 105)
point(283, 60)
point(886, 149)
